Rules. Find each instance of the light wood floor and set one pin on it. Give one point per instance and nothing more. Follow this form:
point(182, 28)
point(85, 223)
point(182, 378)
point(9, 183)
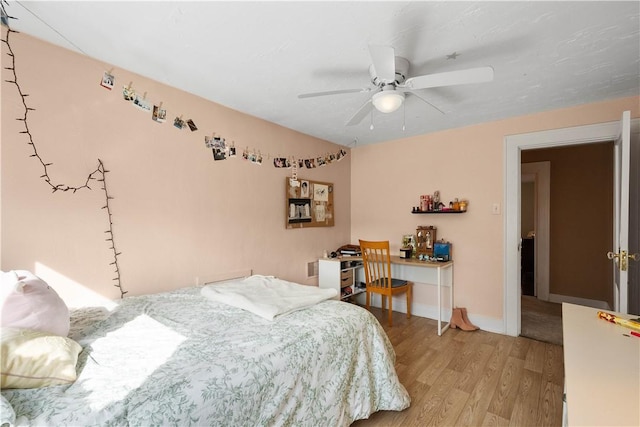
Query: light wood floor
point(472, 378)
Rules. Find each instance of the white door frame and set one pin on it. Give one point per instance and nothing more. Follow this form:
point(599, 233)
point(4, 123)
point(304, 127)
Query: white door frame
point(513, 145)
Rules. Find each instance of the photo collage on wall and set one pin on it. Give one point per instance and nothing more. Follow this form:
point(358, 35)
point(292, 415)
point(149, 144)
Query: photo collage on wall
point(309, 203)
point(282, 162)
point(218, 146)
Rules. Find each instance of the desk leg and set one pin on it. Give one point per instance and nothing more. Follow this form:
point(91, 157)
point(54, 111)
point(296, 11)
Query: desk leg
point(439, 303)
point(442, 329)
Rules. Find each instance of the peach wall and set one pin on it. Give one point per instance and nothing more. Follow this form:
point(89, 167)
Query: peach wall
point(388, 178)
point(178, 214)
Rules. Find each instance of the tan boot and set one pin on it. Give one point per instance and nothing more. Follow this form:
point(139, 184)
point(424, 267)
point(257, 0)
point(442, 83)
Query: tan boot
point(465, 318)
point(458, 322)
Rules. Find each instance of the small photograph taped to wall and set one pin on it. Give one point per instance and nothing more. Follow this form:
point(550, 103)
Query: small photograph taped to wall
point(142, 103)
point(299, 211)
point(255, 158)
point(159, 114)
point(304, 189)
point(192, 125)
point(320, 193)
point(320, 212)
point(128, 93)
point(178, 123)
point(208, 141)
point(108, 80)
point(218, 154)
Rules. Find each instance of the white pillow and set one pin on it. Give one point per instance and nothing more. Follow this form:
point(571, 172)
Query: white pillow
point(29, 303)
point(32, 359)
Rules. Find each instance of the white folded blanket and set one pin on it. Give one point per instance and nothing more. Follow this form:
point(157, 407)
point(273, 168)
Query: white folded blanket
point(267, 296)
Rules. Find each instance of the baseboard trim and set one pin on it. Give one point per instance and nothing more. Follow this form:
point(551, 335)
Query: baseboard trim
point(431, 312)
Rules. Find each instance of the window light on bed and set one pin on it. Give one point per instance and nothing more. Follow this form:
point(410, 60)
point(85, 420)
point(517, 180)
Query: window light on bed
point(123, 344)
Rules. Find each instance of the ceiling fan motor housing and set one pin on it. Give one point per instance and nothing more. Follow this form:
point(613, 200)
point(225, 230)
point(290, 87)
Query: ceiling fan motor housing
point(402, 70)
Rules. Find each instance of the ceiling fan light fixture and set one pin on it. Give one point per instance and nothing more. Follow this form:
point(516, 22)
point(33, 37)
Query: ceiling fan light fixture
point(387, 101)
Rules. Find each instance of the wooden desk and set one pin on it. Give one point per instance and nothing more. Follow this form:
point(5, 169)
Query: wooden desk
point(602, 369)
point(439, 274)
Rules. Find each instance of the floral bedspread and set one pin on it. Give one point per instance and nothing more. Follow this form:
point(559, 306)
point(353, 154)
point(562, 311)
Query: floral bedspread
point(177, 358)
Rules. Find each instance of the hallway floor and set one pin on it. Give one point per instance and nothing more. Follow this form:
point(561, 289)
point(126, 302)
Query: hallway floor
point(541, 320)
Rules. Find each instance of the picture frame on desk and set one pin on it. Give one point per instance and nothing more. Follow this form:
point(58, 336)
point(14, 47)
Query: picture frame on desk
point(409, 241)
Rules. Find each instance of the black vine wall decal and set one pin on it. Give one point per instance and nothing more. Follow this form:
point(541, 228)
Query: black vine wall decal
point(99, 174)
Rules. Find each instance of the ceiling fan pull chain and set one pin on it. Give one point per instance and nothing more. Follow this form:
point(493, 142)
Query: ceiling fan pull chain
point(404, 116)
point(371, 127)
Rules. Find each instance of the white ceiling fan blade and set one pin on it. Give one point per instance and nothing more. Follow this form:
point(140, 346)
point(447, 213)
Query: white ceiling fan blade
point(361, 113)
point(425, 101)
point(383, 59)
point(333, 92)
point(450, 78)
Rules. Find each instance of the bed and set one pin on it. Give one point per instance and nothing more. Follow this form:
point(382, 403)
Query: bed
point(181, 358)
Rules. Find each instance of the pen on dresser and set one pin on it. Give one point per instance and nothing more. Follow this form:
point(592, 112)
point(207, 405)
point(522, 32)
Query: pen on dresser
point(635, 334)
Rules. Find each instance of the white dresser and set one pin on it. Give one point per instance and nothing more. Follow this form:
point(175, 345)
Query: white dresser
point(602, 369)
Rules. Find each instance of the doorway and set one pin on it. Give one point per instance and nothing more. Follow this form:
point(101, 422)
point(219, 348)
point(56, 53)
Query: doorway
point(514, 145)
point(570, 262)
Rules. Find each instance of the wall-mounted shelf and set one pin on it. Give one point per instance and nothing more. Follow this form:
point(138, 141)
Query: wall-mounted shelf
point(438, 212)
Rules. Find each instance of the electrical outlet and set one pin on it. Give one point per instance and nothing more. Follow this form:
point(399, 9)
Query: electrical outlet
point(495, 209)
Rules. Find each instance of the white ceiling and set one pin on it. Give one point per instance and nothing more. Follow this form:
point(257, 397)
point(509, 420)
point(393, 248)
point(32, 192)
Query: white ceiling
point(256, 57)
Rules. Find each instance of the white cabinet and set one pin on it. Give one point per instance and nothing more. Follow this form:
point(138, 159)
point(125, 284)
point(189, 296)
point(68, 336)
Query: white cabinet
point(341, 274)
point(601, 369)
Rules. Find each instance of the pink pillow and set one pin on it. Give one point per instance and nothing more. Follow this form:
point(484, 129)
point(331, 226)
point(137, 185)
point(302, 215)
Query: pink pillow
point(29, 303)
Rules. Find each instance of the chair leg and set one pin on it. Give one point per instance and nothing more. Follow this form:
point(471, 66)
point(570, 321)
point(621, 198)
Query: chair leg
point(409, 299)
point(368, 299)
point(390, 310)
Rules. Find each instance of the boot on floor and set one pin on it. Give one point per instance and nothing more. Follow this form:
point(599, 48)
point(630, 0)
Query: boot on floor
point(465, 318)
point(458, 322)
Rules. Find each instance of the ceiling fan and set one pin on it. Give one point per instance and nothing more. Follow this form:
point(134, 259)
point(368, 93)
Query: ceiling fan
point(389, 76)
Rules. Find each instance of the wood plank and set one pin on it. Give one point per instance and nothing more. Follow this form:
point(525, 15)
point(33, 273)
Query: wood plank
point(535, 357)
point(550, 405)
point(493, 420)
point(506, 391)
point(450, 408)
point(429, 404)
point(440, 362)
point(521, 347)
point(525, 408)
point(475, 368)
point(553, 368)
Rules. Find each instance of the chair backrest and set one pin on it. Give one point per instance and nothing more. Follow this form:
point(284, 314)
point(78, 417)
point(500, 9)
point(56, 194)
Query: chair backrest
point(377, 264)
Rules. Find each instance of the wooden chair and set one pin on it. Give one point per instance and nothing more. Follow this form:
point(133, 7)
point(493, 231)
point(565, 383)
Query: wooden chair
point(377, 271)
